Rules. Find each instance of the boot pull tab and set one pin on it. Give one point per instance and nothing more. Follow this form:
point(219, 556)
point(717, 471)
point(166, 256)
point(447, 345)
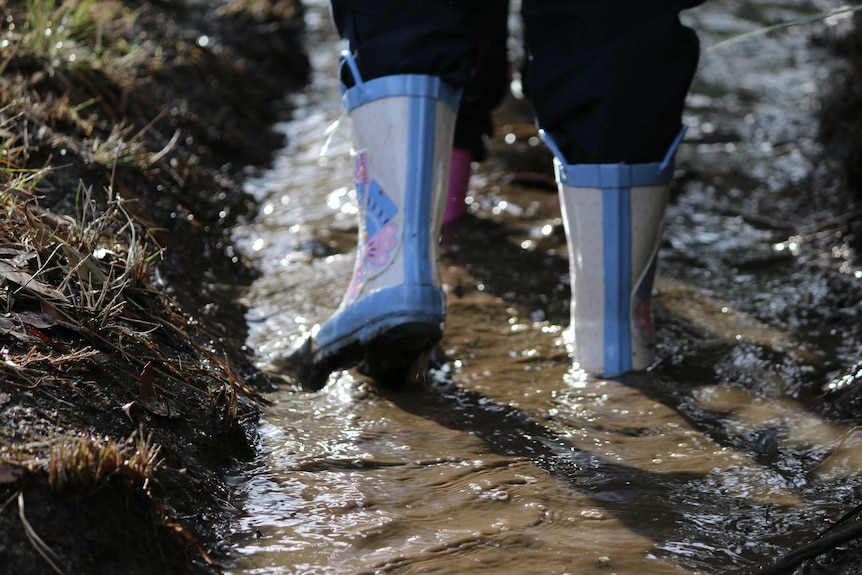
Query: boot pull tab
point(552, 145)
point(346, 56)
point(668, 158)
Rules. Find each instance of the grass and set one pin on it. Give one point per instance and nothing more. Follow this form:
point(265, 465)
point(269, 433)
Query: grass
point(65, 68)
point(65, 38)
point(111, 118)
point(841, 11)
point(86, 463)
point(88, 152)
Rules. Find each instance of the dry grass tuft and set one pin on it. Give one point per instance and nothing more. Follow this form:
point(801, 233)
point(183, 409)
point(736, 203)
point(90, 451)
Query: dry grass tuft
point(85, 463)
point(63, 272)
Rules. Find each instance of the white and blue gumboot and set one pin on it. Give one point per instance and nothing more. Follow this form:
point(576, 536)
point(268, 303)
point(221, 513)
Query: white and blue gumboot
point(613, 216)
point(394, 307)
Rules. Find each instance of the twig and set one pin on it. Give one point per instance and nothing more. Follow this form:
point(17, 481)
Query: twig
point(841, 10)
point(164, 151)
point(786, 564)
point(46, 552)
point(8, 501)
point(840, 441)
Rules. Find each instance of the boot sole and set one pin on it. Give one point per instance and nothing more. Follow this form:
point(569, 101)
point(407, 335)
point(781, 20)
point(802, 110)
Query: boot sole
point(394, 356)
point(401, 355)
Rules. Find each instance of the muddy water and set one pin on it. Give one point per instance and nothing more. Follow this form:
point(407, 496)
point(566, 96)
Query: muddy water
point(508, 460)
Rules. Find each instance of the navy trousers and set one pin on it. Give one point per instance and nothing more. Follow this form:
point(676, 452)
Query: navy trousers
point(607, 79)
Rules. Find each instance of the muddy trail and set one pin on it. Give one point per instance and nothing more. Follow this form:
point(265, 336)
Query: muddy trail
point(734, 450)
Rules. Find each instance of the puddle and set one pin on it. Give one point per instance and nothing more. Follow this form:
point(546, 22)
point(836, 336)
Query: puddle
point(508, 461)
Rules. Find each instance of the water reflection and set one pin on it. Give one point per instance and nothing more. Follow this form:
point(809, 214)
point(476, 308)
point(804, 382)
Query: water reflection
point(509, 460)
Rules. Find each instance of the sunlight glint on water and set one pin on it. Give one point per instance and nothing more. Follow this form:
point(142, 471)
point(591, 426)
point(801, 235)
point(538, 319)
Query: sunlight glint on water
point(508, 460)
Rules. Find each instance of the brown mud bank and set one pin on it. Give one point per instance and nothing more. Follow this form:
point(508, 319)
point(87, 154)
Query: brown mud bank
point(125, 386)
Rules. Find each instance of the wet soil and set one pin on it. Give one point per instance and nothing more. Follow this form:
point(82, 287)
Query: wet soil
point(115, 432)
point(737, 448)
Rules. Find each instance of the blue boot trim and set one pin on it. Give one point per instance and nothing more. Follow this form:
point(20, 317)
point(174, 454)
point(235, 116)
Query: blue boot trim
point(377, 313)
point(615, 175)
point(616, 247)
point(400, 85)
point(418, 200)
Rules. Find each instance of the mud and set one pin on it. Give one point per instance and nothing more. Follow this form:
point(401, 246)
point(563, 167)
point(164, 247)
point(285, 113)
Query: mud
point(74, 493)
point(737, 448)
point(722, 458)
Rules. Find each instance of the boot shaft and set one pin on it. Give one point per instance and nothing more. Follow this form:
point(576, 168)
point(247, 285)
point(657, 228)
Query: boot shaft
point(394, 307)
point(403, 128)
point(613, 216)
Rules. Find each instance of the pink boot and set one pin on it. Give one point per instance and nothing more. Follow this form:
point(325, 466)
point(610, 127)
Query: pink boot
point(459, 178)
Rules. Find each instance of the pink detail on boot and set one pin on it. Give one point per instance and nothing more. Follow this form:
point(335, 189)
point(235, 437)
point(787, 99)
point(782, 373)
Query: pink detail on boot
point(459, 178)
point(378, 249)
